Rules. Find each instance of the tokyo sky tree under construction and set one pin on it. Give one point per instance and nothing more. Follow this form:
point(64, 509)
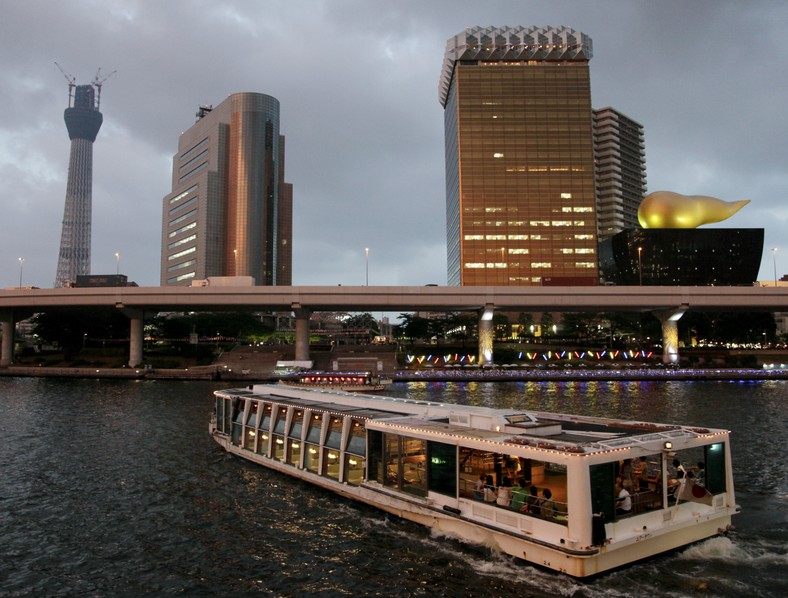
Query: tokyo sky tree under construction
point(83, 121)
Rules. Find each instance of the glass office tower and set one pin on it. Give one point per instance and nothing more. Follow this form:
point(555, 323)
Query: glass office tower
point(230, 210)
point(520, 194)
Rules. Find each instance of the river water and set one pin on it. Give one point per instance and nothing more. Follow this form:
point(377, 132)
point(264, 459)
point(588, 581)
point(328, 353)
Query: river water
point(114, 488)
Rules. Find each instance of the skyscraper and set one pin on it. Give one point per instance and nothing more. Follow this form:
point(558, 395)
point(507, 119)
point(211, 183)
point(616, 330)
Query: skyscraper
point(83, 121)
point(620, 171)
point(520, 197)
point(230, 211)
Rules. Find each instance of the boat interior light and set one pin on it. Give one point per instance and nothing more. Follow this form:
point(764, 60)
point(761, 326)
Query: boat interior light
point(668, 445)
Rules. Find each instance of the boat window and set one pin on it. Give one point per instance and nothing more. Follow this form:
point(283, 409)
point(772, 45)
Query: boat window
point(334, 439)
point(279, 447)
point(249, 430)
point(220, 414)
point(405, 461)
point(281, 420)
point(263, 443)
point(331, 464)
point(294, 451)
point(312, 457)
point(375, 447)
point(358, 438)
point(315, 427)
point(354, 469)
point(442, 474)
point(238, 422)
point(265, 422)
point(391, 460)
point(714, 477)
point(295, 426)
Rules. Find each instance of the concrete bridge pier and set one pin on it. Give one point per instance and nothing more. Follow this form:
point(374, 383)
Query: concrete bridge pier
point(670, 332)
point(136, 334)
point(7, 347)
point(486, 334)
point(301, 332)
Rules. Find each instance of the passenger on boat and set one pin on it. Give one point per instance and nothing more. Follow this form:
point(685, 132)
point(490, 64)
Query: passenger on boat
point(490, 493)
point(640, 474)
point(519, 496)
point(478, 489)
point(625, 472)
point(623, 499)
point(678, 469)
point(505, 493)
point(533, 502)
point(548, 506)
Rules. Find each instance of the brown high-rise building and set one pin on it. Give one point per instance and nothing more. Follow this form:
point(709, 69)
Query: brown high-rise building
point(520, 195)
point(230, 210)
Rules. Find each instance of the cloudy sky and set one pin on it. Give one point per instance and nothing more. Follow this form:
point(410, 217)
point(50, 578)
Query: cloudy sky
point(358, 86)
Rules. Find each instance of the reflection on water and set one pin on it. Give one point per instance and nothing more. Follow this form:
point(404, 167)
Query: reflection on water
point(115, 488)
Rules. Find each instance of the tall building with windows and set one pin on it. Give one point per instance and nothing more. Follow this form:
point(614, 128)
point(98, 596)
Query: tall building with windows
point(230, 211)
point(520, 194)
point(620, 171)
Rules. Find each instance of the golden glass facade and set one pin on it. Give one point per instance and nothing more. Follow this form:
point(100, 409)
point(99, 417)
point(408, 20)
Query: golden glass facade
point(521, 207)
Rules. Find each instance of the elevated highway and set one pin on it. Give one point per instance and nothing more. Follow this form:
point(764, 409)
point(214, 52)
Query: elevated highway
point(667, 303)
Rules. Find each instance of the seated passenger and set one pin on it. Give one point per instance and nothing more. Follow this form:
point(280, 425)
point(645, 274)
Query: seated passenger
point(548, 506)
point(478, 489)
point(519, 496)
point(490, 493)
point(533, 502)
point(623, 500)
point(505, 493)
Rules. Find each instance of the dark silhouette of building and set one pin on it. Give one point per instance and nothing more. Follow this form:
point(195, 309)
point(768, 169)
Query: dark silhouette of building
point(682, 256)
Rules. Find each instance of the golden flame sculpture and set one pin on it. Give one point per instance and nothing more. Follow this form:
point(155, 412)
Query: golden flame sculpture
point(666, 209)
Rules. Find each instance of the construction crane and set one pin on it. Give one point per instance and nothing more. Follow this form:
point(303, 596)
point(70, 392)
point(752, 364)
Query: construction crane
point(98, 81)
point(72, 83)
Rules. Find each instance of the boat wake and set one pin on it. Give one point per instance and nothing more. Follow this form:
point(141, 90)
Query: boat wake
point(725, 551)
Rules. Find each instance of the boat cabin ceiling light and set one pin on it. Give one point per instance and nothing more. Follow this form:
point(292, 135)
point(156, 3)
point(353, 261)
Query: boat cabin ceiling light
point(668, 445)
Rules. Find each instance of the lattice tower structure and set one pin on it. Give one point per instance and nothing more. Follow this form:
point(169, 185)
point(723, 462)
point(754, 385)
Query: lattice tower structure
point(83, 121)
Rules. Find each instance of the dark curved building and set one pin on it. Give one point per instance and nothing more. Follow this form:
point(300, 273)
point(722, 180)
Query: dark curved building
point(683, 257)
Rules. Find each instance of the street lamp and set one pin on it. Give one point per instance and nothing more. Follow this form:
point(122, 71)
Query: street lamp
point(640, 266)
point(366, 260)
point(21, 263)
point(774, 257)
point(117, 263)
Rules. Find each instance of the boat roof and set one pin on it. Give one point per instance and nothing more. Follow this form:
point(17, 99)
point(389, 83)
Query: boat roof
point(554, 432)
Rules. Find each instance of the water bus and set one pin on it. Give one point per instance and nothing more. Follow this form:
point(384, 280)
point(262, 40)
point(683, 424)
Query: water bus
point(579, 495)
point(347, 381)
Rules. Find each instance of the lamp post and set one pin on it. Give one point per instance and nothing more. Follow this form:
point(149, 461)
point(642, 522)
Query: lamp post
point(117, 263)
point(366, 262)
point(21, 263)
point(640, 266)
point(774, 258)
